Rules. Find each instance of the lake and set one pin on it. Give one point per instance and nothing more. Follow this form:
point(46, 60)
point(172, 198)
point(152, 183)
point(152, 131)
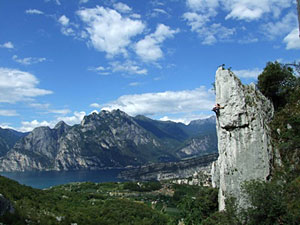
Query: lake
point(47, 179)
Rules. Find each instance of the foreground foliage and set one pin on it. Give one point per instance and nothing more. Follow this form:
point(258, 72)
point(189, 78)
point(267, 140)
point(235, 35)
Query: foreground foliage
point(108, 203)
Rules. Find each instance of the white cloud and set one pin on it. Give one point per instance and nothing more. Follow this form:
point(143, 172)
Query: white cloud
point(28, 60)
point(248, 40)
point(134, 84)
point(28, 126)
point(164, 102)
point(6, 126)
point(281, 27)
point(196, 21)
point(108, 30)
point(157, 12)
point(205, 6)
point(83, 1)
point(67, 28)
point(185, 119)
point(127, 67)
point(216, 32)
point(4, 112)
point(68, 31)
point(209, 34)
point(203, 12)
point(63, 20)
point(161, 11)
point(240, 9)
point(95, 105)
point(254, 9)
point(56, 1)
point(292, 40)
point(7, 45)
point(149, 48)
point(253, 73)
point(34, 11)
point(16, 85)
point(70, 120)
point(39, 105)
point(121, 7)
point(60, 111)
point(47, 108)
point(135, 16)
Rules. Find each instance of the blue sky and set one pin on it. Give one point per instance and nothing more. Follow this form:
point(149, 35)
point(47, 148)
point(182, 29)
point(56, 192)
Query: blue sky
point(63, 59)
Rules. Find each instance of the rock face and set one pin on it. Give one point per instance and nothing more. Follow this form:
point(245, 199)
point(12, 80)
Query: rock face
point(8, 138)
point(106, 140)
point(244, 141)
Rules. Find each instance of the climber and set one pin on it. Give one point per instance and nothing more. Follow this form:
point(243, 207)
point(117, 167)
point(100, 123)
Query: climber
point(217, 108)
point(223, 66)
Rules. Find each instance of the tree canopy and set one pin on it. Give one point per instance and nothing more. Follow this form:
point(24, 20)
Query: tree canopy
point(276, 82)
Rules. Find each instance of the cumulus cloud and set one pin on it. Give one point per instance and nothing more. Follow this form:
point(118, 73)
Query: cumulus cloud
point(186, 119)
point(4, 112)
point(240, 9)
point(204, 6)
point(127, 67)
point(202, 13)
point(149, 48)
point(74, 119)
point(164, 102)
point(196, 21)
point(292, 40)
point(28, 126)
point(209, 34)
point(95, 105)
point(67, 28)
point(63, 20)
point(101, 70)
point(121, 7)
point(7, 45)
point(253, 73)
point(18, 86)
point(281, 27)
point(34, 11)
point(28, 60)
point(108, 30)
point(254, 9)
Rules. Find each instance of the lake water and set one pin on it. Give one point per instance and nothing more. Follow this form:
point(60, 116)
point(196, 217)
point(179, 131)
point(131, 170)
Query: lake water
point(47, 179)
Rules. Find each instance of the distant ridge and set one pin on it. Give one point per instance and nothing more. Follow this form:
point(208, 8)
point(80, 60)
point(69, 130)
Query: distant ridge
point(109, 140)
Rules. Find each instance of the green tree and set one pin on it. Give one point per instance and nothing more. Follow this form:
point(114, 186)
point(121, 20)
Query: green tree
point(276, 82)
point(195, 210)
point(267, 203)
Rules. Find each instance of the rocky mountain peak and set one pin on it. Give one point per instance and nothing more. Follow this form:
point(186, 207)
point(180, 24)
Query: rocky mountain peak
point(244, 141)
point(61, 124)
point(61, 128)
point(106, 139)
point(209, 120)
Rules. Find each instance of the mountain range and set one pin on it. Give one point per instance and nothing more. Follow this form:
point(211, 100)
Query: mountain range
point(106, 140)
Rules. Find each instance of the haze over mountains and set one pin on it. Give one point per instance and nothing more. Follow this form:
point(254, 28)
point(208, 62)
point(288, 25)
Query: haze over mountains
point(106, 140)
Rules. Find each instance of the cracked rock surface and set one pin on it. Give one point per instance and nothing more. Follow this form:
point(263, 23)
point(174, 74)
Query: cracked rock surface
point(244, 141)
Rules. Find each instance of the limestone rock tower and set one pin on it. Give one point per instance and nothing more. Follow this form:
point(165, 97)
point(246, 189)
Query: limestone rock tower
point(244, 141)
